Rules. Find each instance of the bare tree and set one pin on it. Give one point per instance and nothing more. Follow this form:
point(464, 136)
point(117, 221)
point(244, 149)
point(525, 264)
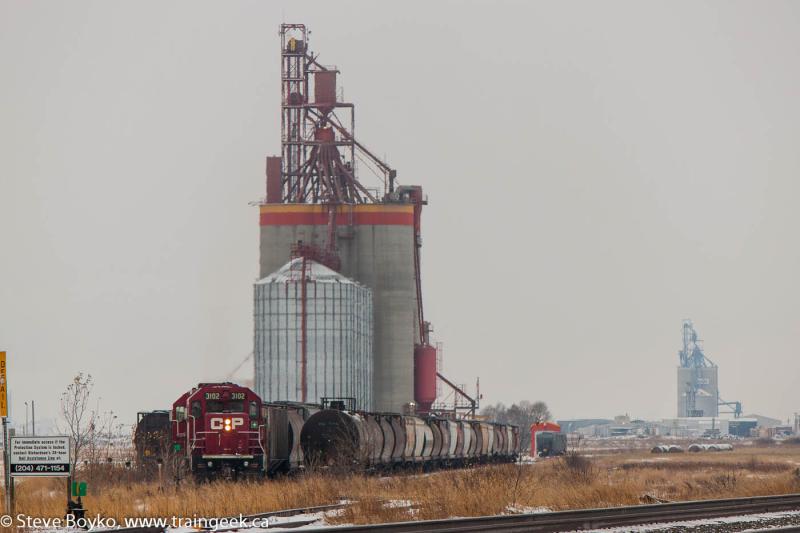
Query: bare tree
point(535, 412)
point(100, 442)
point(496, 412)
point(522, 414)
point(78, 418)
point(99, 449)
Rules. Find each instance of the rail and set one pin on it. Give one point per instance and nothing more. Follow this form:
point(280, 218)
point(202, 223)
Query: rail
point(589, 518)
point(584, 519)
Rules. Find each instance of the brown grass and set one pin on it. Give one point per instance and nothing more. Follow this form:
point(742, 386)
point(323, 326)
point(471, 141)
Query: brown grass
point(752, 464)
point(574, 481)
point(765, 441)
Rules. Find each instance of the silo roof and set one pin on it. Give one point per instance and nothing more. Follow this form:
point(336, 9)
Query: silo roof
point(317, 272)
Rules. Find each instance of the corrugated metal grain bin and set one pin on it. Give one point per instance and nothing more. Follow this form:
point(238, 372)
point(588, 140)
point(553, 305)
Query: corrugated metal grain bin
point(313, 335)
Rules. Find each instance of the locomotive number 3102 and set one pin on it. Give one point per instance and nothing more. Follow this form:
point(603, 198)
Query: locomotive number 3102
point(216, 396)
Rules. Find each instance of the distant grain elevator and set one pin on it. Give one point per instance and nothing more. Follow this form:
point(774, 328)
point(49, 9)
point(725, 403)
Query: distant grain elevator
point(698, 393)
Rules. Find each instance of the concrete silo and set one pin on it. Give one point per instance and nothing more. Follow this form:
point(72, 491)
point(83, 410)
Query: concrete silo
point(698, 392)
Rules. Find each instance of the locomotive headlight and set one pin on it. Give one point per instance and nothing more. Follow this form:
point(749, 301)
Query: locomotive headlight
point(227, 424)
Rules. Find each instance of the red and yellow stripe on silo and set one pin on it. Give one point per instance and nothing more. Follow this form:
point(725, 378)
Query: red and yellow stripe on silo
point(317, 215)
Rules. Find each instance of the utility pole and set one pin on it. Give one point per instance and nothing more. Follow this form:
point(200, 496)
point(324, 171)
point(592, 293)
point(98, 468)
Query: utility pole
point(6, 472)
point(11, 489)
point(4, 414)
point(25, 431)
point(33, 417)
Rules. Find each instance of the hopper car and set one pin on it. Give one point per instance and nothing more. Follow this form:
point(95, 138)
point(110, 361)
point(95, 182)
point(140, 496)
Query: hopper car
point(223, 430)
point(385, 441)
point(151, 437)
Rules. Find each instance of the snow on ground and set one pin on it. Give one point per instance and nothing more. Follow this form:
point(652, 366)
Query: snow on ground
point(521, 509)
point(319, 520)
point(726, 523)
point(394, 504)
point(411, 507)
point(228, 525)
point(275, 523)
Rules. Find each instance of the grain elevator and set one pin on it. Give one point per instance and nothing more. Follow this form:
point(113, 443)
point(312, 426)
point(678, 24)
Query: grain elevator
point(318, 211)
point(698, 389)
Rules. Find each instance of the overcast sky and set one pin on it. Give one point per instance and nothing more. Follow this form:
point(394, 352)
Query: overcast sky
point(597, 172)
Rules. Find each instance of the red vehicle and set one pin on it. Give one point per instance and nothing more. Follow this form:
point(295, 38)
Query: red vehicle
point(218, 430)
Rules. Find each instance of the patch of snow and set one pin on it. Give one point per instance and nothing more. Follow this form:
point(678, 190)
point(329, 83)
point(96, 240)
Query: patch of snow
point(522, 509)
point(394, 504)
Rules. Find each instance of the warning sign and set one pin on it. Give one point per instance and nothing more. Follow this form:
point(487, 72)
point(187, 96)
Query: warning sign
point(3, 386)
point(39, 456)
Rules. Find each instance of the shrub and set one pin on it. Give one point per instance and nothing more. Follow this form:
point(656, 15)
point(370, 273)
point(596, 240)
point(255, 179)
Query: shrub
point(576, 466)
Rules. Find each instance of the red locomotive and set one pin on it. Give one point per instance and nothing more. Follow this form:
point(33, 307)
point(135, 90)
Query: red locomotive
point(219, 430)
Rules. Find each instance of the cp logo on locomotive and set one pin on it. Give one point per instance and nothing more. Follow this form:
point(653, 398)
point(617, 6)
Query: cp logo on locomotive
point(219, 423)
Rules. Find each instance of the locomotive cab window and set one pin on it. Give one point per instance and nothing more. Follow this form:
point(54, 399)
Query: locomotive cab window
point(196, 410)
point(218, 406)
point(180, 413)
point(214, 406)
point(253, 410)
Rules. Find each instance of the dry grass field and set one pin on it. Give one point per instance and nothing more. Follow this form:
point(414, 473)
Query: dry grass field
point(577, 481)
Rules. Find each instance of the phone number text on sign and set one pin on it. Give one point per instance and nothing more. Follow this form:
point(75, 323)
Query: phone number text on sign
point(34, 469)
point(39, 456)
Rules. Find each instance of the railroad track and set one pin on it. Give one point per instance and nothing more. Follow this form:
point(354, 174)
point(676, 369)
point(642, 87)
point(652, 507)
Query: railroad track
point(584, 519)
point(589, 519)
